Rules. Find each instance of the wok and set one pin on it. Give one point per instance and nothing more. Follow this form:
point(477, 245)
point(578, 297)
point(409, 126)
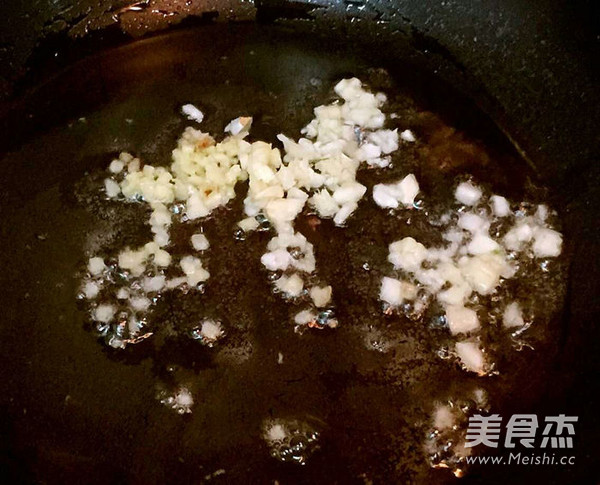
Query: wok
point(520, 76)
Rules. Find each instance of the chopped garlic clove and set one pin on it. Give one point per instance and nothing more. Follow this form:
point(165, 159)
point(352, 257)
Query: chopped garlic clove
point(249, 224)
point(345, 211)
point(91, 290)
point(190, 265)
point(512, 316)
point(211, 330)
point(104, 313)
point(116, 166)
point(482, 244)
point(112, 188)
point(483, 272)
point(471, 356)
point(153, 284)
point(385, 196)
point(467, 193)
point(547, 243)
point(280, 259)
point(407, 254)
point(199, 242)
point(192, 113)
point(391, 195)
point(473, 223)
point(408, 136)
point(304, 317)
point(290, 285)
point(284, 210)
point(351, 192)
point(500, 206)
point(391, 291)
point(461, 319)
point(198, 276)
point(324, 203)
point(162, 258)
point(394, 291)
point(96, 265)
point(386, 140)
point(140, 304)
point(239, 125)
point(321, 296)
point(443, 417)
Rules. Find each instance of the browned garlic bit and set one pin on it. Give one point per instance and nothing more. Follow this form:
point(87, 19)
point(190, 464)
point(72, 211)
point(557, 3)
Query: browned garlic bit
point(201, 178)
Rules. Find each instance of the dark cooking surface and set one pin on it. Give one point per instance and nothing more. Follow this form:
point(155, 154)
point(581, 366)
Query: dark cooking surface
point(79, 410)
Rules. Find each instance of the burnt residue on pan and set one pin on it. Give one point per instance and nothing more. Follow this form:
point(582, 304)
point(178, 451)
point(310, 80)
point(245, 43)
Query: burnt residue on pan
point(80, 409)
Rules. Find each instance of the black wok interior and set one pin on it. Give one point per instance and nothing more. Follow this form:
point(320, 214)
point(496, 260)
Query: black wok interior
point(76, 412)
